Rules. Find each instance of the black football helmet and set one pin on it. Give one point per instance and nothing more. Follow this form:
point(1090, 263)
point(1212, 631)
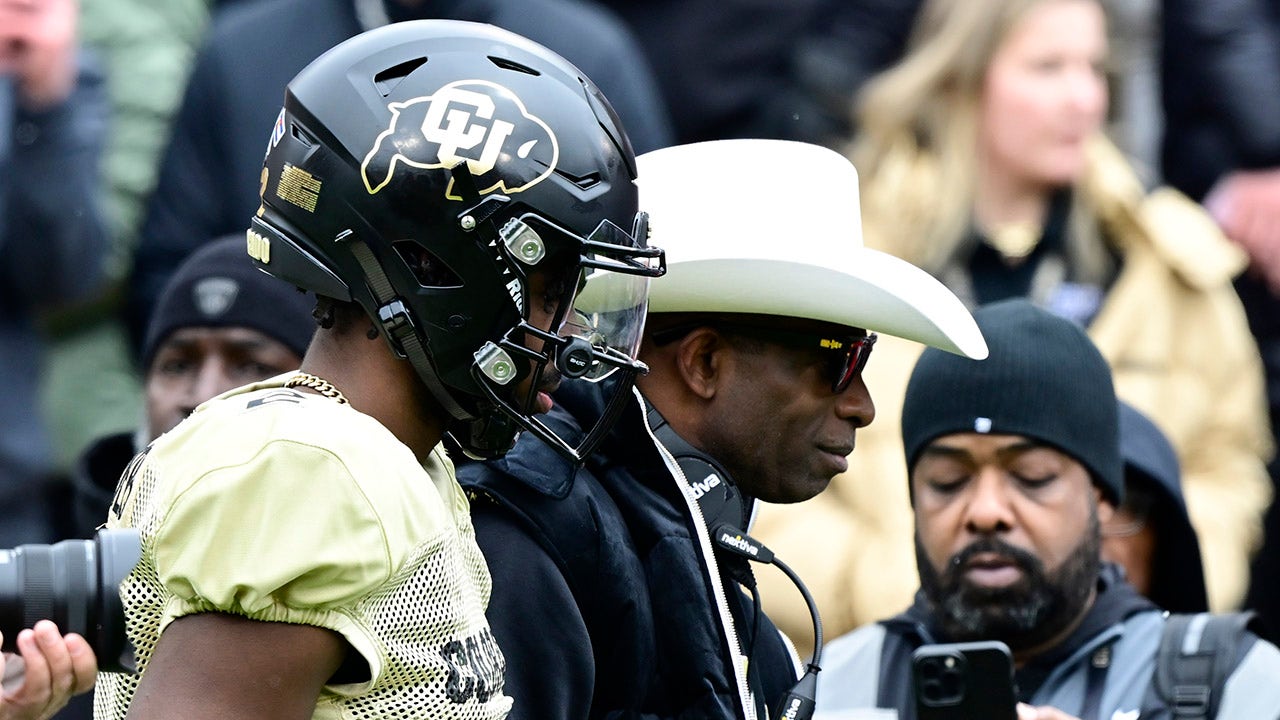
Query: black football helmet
point(427, 170)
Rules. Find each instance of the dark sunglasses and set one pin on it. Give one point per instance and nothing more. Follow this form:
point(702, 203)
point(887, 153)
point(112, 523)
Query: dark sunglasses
point(848, 353)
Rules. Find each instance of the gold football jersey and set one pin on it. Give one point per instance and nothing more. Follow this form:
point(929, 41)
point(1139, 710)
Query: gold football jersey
point(283, 506)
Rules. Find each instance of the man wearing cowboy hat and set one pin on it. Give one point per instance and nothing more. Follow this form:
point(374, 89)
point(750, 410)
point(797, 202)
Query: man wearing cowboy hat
point(621, 588)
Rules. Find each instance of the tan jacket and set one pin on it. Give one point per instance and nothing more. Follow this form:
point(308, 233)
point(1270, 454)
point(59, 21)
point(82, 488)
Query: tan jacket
point(1176, 337)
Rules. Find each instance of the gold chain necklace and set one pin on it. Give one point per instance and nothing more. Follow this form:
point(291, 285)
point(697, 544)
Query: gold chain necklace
point(320, 385)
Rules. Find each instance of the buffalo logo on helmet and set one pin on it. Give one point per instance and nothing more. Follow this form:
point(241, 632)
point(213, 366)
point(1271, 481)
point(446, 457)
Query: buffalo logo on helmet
point(477, 122)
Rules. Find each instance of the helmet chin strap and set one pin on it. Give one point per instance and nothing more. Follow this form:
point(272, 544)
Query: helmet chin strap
point(398, 326)
point(488, 437)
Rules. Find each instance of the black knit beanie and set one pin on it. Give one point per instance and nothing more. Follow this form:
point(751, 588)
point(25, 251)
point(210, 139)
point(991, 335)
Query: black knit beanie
point(218, 286)
point(1044, 379)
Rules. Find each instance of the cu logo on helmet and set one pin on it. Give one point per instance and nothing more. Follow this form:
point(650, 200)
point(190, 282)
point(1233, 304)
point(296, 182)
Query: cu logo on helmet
point(477, 122)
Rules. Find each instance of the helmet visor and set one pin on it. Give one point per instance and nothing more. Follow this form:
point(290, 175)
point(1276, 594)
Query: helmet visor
point(609, 313)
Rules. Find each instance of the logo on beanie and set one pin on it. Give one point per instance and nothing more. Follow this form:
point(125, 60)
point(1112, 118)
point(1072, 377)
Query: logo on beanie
point(982, 425)
point(474, 121)
point(213, 296)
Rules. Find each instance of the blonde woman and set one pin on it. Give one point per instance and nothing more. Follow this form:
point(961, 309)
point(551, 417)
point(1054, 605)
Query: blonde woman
point(983, 161)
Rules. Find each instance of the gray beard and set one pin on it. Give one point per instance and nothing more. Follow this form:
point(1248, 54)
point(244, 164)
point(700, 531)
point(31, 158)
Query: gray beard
point(1037, 608)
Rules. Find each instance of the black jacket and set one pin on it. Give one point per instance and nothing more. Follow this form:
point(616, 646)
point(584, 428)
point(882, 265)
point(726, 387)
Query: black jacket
point(766, 69)
point(607, 601)
point(1220, 75)
point(1220, 89)
point(94, 479)
point(1151, 468)
point(53, 242)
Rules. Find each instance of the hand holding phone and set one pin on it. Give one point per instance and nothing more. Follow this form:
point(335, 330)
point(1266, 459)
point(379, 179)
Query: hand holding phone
point(964, 681)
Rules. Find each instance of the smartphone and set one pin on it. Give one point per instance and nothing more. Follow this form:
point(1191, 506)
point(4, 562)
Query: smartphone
point(964, 681)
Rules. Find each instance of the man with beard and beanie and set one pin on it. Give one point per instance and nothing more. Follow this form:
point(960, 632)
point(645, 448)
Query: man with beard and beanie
point(1015, 466)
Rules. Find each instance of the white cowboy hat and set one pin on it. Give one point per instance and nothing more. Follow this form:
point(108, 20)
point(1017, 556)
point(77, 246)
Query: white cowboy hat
point(772, 227)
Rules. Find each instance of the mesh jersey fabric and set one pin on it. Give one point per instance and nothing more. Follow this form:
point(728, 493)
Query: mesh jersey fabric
point(284, 506)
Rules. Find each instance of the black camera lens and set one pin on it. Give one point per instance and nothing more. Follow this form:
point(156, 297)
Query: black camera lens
point(76, 584)
point(941, 680)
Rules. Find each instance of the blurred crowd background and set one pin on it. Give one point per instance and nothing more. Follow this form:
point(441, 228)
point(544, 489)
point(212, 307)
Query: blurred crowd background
point(1125, 175)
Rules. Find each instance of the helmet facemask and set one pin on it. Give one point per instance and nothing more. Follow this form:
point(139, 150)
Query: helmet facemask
point(599, 303)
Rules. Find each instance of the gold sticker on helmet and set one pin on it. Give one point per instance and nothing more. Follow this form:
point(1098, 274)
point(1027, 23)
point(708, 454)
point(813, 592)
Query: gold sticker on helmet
point(262, 190)
point(299, 187)
point(477, 122)
point(259, 247)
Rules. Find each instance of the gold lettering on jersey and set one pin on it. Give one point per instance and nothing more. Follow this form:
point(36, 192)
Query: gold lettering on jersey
point(476, 122)
point(299, 187)
point(259, 247)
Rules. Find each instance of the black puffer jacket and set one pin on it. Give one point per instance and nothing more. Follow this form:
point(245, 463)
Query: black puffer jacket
point(607, 599)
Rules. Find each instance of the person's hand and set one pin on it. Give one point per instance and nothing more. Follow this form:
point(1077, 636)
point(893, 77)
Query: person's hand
point(38, 48)
point(47, 670)
point(1027, 712)
point(1246, 205)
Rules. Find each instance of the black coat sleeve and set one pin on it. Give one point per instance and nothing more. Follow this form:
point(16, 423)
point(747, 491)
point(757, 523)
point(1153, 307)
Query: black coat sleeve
point(53, 235)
